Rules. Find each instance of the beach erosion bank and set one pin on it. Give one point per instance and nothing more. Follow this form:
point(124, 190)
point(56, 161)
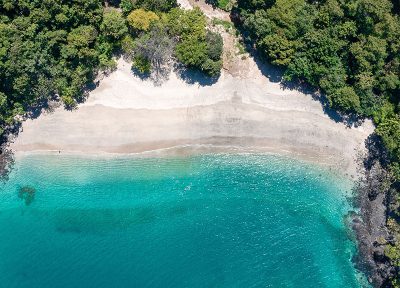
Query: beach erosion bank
point(126, 114)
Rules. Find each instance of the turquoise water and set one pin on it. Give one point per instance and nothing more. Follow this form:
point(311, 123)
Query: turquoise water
point(200, 221)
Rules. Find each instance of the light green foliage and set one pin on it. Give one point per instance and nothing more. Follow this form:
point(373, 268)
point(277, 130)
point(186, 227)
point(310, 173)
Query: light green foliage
point(393, 250)
point(389, 130)
point(224, 4)
point(68, 101)
point(140, 20)
point(187, 23)
point(3, 102)
point(191, 51)
point(127, 45)
point(196, 47)
point(82, 36)
point(221, 4)
point(226, 24)
point(212, 68)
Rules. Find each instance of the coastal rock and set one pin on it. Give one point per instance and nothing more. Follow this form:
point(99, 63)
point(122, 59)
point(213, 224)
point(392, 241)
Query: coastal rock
point(370, 224)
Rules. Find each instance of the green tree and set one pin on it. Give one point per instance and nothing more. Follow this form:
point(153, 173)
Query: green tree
point(345, 99)
point(113, 25)
point(140, 20)
point(214, 45)
point(126, 6)
point(278, 48)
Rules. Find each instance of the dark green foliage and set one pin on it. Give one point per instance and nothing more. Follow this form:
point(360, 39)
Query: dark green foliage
point(333, 45)
point(126, 6)
point(141, 64)
point(214, 45)
point(50, 48)
point(151, 5)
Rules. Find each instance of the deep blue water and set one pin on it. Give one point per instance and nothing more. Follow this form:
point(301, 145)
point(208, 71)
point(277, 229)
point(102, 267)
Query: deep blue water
point(200, 221)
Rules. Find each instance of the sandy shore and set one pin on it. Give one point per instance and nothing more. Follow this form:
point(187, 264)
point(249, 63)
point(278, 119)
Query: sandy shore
point(128, 115)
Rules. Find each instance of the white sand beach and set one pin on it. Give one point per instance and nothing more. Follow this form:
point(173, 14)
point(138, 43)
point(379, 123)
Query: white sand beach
point(242, 111)
point(128, 115)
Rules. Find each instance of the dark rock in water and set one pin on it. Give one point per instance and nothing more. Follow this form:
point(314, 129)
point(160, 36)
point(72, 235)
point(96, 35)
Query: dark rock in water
point(6, 162)
point(27, 194)
point(370, 226)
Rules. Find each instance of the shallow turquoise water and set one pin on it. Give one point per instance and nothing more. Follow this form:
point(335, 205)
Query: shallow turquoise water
point(201, 221)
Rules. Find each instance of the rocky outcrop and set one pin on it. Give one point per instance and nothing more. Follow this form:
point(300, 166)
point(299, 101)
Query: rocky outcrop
point(369, 224)
point(6, 162)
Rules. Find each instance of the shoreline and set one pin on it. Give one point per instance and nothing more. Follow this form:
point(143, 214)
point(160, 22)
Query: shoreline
point(194, 150)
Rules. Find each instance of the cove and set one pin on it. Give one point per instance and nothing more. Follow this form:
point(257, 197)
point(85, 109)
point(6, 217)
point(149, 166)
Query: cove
point(222, 220)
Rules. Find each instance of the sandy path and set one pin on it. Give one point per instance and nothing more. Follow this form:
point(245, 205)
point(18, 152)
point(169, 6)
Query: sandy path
point(243, 111)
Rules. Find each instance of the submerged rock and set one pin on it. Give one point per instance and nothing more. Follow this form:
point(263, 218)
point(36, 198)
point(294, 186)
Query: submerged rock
point(27, 194)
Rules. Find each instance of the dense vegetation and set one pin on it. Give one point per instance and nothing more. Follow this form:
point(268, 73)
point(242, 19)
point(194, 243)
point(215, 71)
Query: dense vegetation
point(349, 49)
point(55, 48)
point(178, 32)
point(48, 48)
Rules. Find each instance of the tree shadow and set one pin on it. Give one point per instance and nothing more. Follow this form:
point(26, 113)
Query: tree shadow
point(194, 76)
point(140, 75)
point(273, 73)
point(212, 3)
point(348, 119)
point(157, 77)
point(376, 151)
